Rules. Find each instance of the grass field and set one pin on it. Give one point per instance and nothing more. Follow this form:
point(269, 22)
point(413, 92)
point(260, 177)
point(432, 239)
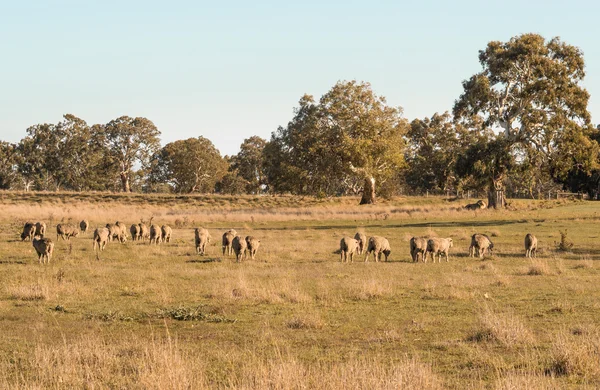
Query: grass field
point(163, 317)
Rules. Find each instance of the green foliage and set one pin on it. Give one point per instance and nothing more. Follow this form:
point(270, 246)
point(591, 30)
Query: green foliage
point(232, 183)
point(531, 90)
point(191, 165)
point(8, 165)
point(434, 146)
point(249, 164)
point(129, 141)
point(332, 146)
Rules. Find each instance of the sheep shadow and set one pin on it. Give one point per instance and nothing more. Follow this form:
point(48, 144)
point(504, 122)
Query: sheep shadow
point(9, 261)
point(204, 261)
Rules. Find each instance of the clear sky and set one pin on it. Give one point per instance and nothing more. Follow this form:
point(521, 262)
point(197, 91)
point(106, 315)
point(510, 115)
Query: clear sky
point(232, 69)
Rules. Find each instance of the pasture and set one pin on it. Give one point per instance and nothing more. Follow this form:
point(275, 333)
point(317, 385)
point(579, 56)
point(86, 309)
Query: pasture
point(162, 316)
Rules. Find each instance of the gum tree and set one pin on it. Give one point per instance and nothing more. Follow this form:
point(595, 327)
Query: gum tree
point(529, 89)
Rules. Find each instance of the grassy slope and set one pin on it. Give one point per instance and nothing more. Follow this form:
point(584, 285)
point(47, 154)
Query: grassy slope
point(296, 315)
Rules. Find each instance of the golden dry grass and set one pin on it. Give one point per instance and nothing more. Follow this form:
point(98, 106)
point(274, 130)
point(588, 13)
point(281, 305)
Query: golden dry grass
point(163, 317)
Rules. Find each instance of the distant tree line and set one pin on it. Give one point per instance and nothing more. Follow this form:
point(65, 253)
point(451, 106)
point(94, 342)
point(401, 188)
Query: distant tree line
point(521, 124)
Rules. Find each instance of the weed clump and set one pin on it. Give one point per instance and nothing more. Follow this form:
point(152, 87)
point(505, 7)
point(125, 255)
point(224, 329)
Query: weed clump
point(565, 244)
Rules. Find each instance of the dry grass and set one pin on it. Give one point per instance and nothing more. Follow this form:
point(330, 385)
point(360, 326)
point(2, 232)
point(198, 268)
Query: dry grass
point(504, 328)
point(30, 292)
point(163, 317)
point(576, 355)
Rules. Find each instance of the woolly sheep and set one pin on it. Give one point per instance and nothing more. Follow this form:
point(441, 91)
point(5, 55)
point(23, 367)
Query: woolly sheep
point(28, 231)
point(253, 244)
point(101, 237)
point(418, 245)
point(239, 247)
point(378, 245)
point(531, 245)
point(44, 248)
point(66, 231)
point(166, 232)
point(202, 239)
point(362, 242)
point(480, 244)
point(438, 246)
point(40, 229)
point(155, 234)
point(348, 247)
point(136, 232)
point(84, 225)
point(228, 237)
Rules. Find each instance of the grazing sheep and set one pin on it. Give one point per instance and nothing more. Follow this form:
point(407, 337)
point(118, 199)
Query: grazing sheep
point(66, 231)
point(480, 244)
point(28, 231)
point(117, 231)
point(202, 239)
point(438, 246)
point(44, 248)
point(362, 242)
point(378, 245)
point(144, 231)
point(135, 231)
point(84, 225)
point(480, 205)
point(155, 234)
point(166, 232)
point(253, 244)
point(418, 245)
point(40, 229)
point(239, 247)
point(101, 237)
point(228, 237)
point(348, 246)
point(531, 245)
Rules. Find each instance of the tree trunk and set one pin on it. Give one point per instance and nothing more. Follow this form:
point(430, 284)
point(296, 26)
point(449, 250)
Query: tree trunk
point(496, 197)
point(125, 182)
point(368, 196)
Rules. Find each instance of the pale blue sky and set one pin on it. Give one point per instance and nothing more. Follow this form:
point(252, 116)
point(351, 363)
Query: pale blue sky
point(232, 69)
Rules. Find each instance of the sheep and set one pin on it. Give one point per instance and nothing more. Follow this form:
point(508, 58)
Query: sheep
point(531, 245)
point(155, 234)
point(144, 231)
point(378, 245)
point(362, 242)
point(438, 246)
point(84, 225)
point(418, 245)
point(228, 237)
point(202, 239)
point(166, 232)
point(28, 231)
point(348, 247)
point(239, 247)
point(480, 244)
point(117, 231)
point(479, 205)
point(40, 229)
point(101, 237)
point(253, 244)
point(135, 231)
point(66, 232)
point(44, 248)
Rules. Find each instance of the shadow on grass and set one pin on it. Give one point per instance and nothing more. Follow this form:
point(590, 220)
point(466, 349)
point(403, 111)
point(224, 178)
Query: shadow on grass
point(11, 261)
point(207, 260)
point(469, 223)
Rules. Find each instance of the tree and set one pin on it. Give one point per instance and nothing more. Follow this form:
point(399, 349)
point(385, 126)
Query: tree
point(433, 148)
point(249, 163)
point(348, 142)
point(530, 89)
point(191, 165)
point(8, 165)
point(130, 141)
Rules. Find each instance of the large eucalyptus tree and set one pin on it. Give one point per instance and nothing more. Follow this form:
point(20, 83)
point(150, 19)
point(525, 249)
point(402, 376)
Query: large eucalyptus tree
point(530, 90)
